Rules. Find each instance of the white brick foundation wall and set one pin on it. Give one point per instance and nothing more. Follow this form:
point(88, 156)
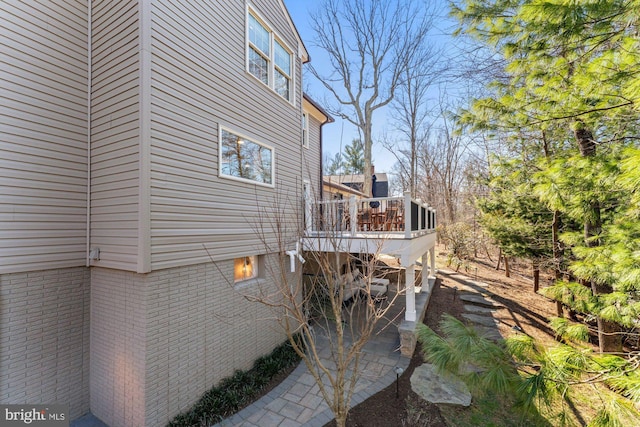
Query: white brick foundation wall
point(160, 340)
point(44, 338)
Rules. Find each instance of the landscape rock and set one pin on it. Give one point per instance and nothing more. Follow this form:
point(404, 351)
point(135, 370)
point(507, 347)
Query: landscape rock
point(439, 388)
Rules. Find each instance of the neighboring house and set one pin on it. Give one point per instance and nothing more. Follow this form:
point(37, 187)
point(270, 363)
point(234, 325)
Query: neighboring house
point(332, 189)
point(139, 140)
point(379, 184)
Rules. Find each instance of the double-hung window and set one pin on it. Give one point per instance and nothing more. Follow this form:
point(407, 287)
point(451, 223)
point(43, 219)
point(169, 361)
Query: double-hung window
point(244, 159)
point(268, 58)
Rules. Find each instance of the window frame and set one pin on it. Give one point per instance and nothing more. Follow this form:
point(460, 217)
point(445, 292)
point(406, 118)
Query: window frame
point(255, 269)
point(305, 129)
point(221, 174)
point(272, 67)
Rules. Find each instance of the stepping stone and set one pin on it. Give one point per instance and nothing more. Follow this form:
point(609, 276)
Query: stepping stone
point(480, 319)
point(479, 309)
point(480, 300)
point(489, 333)
point(439, 388)
point(479, 284)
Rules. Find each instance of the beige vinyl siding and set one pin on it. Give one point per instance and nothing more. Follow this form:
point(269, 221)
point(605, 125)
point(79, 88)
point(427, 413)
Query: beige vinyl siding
point(115, 134)
point(312, 156)
point(200, 82)
point(43, 136)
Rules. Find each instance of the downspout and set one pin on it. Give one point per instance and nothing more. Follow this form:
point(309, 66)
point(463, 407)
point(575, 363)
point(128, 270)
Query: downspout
point(89, 66)
point(86, 320)
point(321, 160)
point(328, 119)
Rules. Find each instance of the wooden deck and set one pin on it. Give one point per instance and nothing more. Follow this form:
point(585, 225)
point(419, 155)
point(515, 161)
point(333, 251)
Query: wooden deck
point(392, 217)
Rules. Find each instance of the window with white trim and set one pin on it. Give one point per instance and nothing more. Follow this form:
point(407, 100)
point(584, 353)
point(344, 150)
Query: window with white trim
point(268, 58)
point(305, 130)
point(244, 159)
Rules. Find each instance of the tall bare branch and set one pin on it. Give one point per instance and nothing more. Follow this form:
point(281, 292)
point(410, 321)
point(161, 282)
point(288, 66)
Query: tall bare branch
point(369, 46)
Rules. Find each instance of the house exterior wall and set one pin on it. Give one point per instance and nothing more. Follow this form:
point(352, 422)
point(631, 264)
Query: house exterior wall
point(200, 330)
point(118, 347)
point(43, 143)
point(154, 193)
point(199, 82)
point(115, 133)
point(311, 157)
point(165, 76)
point(186, 329)
point(44, 338)
point(44, 284)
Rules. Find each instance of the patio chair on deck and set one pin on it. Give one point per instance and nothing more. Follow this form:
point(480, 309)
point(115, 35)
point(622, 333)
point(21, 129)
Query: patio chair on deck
point(365, 221)
point(390, 219)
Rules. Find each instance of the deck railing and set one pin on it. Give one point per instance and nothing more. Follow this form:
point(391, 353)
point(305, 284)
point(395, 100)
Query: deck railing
point(402, 216)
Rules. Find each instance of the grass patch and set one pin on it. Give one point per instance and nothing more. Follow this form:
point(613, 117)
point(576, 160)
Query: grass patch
point(238, 390)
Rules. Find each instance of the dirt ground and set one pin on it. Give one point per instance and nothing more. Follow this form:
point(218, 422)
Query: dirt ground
point(523, 308)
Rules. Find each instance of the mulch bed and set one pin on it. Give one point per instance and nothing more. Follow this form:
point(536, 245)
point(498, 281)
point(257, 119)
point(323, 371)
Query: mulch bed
point(384, 409)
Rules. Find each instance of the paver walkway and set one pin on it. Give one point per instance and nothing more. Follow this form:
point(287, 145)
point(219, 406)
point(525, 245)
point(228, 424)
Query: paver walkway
point(297, 400)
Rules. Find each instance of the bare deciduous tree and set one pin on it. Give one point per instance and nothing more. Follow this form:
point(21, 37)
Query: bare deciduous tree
point(326, 325)
point(369, 45)
point(411, 113)
point(443, 162)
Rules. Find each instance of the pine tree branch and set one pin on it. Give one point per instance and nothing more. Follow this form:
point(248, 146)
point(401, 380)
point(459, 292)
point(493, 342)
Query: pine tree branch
point(583, 113)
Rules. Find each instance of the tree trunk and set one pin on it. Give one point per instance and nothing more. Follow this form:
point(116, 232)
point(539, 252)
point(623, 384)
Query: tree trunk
point(559, 309)
point(535, 266)
point(558, 253)
point(608, 339)
point(486, 251)
point(499, 258)
point(367, 144)
point(507, 272)
point(449, 205)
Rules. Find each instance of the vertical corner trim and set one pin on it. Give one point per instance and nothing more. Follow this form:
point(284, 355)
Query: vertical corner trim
point(144, 143)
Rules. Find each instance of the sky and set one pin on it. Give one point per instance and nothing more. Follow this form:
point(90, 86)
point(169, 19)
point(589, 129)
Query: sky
point(340, 133)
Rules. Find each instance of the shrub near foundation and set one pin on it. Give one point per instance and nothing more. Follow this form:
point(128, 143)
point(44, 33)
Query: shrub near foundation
point(237, 391)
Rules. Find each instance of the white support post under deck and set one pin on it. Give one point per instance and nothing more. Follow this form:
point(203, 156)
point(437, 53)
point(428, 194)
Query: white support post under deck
point(425, 276)
point(432, 262)
point(410, 279)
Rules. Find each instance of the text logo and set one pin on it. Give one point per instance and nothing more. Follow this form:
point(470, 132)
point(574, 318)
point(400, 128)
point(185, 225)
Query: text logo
point(34, 415)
